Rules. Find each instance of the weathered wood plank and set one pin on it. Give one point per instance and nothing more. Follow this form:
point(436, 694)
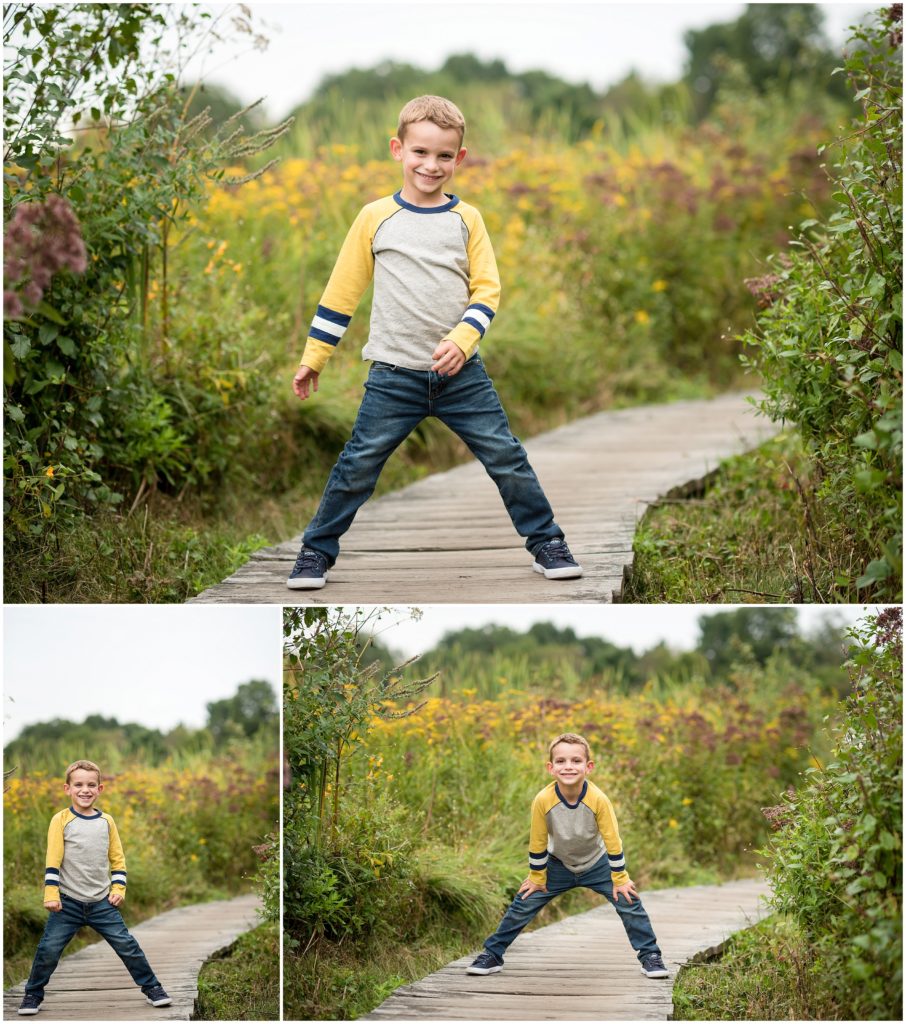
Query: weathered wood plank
point(583, 968)
point(93, 984)
point(447, 538)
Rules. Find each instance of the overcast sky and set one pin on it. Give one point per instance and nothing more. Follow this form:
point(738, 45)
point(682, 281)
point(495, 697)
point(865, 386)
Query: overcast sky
point(597, 43)
point(154, 664)
point(640, 627)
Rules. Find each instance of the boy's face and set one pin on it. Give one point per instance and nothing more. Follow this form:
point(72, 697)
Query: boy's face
point(569, 765)
point(84, 787)
point(429, 156)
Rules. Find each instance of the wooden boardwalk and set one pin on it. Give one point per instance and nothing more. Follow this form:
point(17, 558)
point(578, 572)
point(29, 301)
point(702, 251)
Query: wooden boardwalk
point(93, 984)
point(583, 968)
point(448, 539)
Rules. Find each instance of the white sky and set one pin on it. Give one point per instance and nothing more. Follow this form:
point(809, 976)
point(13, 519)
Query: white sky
point(153, 664)
point(598, 43)
point(640, 627)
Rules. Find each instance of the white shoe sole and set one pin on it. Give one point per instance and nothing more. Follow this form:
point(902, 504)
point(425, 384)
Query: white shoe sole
point(655, 974)
point(28, 1013)
point(483, 970)
point(310, 584)
point(159, 1002)
point(568, 572)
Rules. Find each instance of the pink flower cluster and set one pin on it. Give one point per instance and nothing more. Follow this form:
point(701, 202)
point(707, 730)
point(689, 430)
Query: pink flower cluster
point(41, 239)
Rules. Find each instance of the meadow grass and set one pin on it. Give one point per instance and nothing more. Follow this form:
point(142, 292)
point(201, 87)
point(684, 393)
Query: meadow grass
point(242, 982)
point(758, 533)
point(767, 972)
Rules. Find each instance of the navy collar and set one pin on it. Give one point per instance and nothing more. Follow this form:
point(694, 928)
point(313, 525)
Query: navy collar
point(563, 799)
point(426, 209)
point(87, 817)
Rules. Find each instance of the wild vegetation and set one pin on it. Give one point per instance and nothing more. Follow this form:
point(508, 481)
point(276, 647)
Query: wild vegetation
point(834, 950)
point(828, 345)
point(406, 820)
point(196, 812)
point(152, 440)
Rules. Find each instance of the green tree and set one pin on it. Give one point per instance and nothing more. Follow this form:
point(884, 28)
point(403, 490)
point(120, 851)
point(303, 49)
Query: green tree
point(747, 634)
point(252, 709)
point(772, 45)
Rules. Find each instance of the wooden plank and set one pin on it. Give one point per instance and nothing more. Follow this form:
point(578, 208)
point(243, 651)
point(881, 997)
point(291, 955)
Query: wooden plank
point(583, 968)
point(93, 984)
point(447, 538)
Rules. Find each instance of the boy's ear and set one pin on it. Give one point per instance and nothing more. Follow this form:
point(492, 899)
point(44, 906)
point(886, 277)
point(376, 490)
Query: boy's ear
point(460, 156)
point(396, 148)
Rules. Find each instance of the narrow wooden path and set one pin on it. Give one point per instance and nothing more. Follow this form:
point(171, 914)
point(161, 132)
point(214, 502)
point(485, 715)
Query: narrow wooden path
point(448, 539)
point(583, 968)
point(93, 984)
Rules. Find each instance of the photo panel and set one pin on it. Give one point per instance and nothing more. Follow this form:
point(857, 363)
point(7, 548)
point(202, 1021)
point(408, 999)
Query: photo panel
point(638, 778)
point(141, 807)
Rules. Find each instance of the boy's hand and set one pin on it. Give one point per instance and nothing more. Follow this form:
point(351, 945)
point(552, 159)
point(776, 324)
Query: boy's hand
point(529, 888)
point(54, 906)
point(448, 358)
point(305, 378)
point(627, 889)
point(115, 899)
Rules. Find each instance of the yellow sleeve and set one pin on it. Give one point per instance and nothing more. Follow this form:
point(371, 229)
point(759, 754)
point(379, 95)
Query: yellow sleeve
point(484, 286)
point(117, 859)
point(607, 826)
point(54, 858)
point(350, 277)
point(538, 842)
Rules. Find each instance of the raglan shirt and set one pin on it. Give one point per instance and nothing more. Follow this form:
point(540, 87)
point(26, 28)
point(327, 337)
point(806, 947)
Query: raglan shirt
point(577, 834)
point(435, 277)
point(85, 859)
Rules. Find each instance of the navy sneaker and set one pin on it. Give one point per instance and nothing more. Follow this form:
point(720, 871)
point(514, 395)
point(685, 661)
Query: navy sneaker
point(485, 963)
point(30, 1005)
point(156, 996)
point(555, 561)
point(309, 572)
point(653, 967)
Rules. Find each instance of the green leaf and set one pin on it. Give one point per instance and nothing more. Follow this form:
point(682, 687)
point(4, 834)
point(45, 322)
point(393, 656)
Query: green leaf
point(20, 346)
point(877, 571)
point(66, 345)
point(47, 333)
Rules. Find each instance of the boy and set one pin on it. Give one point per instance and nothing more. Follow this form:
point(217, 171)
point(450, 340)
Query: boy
point(85, 883)
point(574, 842)
point(436, 291)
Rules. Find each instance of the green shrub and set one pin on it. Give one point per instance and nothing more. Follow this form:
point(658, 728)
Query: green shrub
point(829, 339)
point(836, 859)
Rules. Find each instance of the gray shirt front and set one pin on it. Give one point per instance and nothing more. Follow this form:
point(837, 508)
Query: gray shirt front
point(85, 871)
point(421, 284)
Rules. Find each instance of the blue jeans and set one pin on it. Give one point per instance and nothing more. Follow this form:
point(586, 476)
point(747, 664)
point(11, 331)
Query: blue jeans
point(107, 921)
point(559, 880)
point(396, 401)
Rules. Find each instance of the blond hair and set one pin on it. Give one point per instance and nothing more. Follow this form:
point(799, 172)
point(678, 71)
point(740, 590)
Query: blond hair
point(569, 737)
point(435, 109)
point(88, 766)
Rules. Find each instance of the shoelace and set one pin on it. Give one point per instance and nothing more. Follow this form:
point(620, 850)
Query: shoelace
point(557, 549)
point(308, 559)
